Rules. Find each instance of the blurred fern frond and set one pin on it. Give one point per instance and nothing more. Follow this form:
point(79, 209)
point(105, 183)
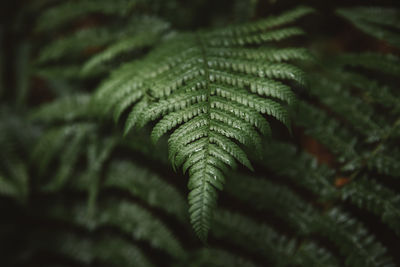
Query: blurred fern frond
point(380, 22)
point(69, 11)
point(94, 45)
point(14, 173)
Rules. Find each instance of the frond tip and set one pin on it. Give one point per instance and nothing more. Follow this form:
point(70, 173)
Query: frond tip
point(211, 90)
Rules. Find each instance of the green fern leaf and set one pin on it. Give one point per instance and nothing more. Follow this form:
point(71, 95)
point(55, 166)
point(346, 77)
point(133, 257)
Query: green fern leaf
point(210, 100)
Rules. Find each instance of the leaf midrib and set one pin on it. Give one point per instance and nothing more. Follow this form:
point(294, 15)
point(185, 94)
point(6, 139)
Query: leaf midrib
point(207, 75)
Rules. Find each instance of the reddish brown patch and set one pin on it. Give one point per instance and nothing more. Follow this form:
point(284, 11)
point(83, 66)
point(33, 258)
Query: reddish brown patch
point(315, 148)
point(92, 50)
point(87, 22)
point(386, 48)
point(341, 181)
point(42, 92)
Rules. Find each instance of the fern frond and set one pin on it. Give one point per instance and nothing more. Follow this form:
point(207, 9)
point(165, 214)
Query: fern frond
point(270, 53)
point(192, 92)
point(66, 12)
point(367, 193)
point(100, 45)
point(361, 130)
point(14, 181)
point(142, 225)
point(358, 114)
point(146, 185)
point(67, 72)
point(126, 216)
point(379, 22)
point(268, 23)
point(105, 249)
point(275, 199)
point(307, 220)
point(13, 172)
point(385, 160)
point(147, 31)
point(351, 234)
point(327, 130)
point(14, 143)
point(263, 239)
point(69, 138)
point(375, 92)
point(119, 40)
point(76, 43)
point(68, 108)
point(373, 61)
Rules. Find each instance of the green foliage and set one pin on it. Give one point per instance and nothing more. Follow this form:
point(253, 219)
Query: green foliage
point(210, 93)
point(14, 177)
point(380, 22)
point(98, 47)
point(373, 133)
point(64, 13)
point(147, 186)
point(335, 225)
point(70, 139)
point(129, 218)
point(74, 191)
point(105, 249)
point(67, 108)
point(115, 40)
point(146, 34)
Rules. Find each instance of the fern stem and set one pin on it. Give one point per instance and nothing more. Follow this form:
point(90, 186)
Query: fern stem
point(203, 234)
